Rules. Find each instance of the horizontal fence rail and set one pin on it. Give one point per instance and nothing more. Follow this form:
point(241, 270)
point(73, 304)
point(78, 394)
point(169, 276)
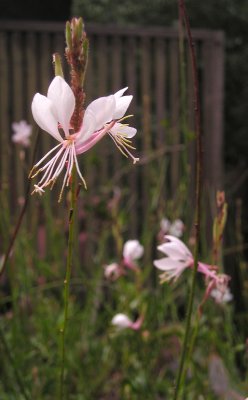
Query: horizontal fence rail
point(147, 61)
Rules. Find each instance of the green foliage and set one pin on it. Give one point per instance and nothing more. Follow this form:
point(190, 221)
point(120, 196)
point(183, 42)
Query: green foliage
point(101, 362)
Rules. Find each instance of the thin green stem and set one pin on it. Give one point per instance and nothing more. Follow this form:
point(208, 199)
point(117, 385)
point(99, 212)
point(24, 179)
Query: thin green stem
point(70, 245)
point(186, 344)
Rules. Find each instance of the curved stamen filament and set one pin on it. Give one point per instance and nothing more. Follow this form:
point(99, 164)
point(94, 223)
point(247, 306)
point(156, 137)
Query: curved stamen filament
point(122, 144)
point(43, 158)
point(49, 168)
point(77, 166)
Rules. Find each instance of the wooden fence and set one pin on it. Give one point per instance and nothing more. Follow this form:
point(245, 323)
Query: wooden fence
point(147, 61)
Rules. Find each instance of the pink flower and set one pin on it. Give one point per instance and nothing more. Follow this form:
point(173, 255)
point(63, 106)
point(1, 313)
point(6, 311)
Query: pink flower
point(179, 257)
point(53, 114)
point(221, 296)
point(132, 250)
point(113, 271)
point(22, 132)
point(174, 228)
point(122, 321)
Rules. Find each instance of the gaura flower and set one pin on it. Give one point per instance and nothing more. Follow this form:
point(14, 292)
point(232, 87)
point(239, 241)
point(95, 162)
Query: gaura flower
point(113, 271)
point(53, 114)
point(179, 257)
point(122, 321)
point(132, 250)
point(22, 132)
point(174, 228)
point(221, 296)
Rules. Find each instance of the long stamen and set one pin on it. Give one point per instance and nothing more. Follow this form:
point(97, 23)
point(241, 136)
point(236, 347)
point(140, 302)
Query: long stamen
point(118, 147)
point(125, 117)
point(77, 166)
point(123, 147)
point(61, 164)
point(43, 158)
point(124, 142)
point(49, 168)
point(70, 164)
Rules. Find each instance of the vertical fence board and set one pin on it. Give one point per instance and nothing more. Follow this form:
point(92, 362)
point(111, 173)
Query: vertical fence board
point(146, 132)
point(131, 65)
point(174, 114)
point(212, 110)
point(102, 62)
point(17, 113)
point(160, 88)
point(4, 106)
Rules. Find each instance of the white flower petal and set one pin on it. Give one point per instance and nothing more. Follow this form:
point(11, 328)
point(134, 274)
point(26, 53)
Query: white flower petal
point(165, 225)
point(126, 131)
point(122, 105)
point(180, 245)
point(103, 110)
point(121, 321)
point(120, 92)
point(62, 97)
point(133, 250)
point(88, 127)
point(111, 269)
point(221, 297)
point(172, 251)
point(43, 113)
point(177, 228)
point(167, 264)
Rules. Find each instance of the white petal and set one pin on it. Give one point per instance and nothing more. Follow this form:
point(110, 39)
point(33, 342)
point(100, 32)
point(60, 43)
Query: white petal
point(43, 113)
point(111, 269)
point(88, 127)
point(121, 321)
point(103, 110)
point(172, 251)
point(177, 228)
point(120, 93)
point(221, 297)
point(133, 250)
point(62, 97)
point(167, 264)
point(126, 131)
point(122, 105)
point(179, 244)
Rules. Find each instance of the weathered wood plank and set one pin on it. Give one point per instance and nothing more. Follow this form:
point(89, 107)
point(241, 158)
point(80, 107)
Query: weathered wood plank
point(110, 29)
point(17, 112)
point(5, 111)
point(146, 94)
point(213, 79)
point(174, 114)
point(160, 89)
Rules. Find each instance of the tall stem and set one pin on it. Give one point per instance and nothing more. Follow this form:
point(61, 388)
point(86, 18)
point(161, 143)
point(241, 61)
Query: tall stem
point(70, 245)
point(179, 381)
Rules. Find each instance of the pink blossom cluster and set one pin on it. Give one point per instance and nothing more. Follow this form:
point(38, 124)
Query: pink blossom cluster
point(132, 251)
point(179, 257)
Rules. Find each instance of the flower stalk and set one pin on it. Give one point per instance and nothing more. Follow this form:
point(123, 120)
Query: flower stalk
point(70, 245)
point(77, 60)
point(180, 381)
